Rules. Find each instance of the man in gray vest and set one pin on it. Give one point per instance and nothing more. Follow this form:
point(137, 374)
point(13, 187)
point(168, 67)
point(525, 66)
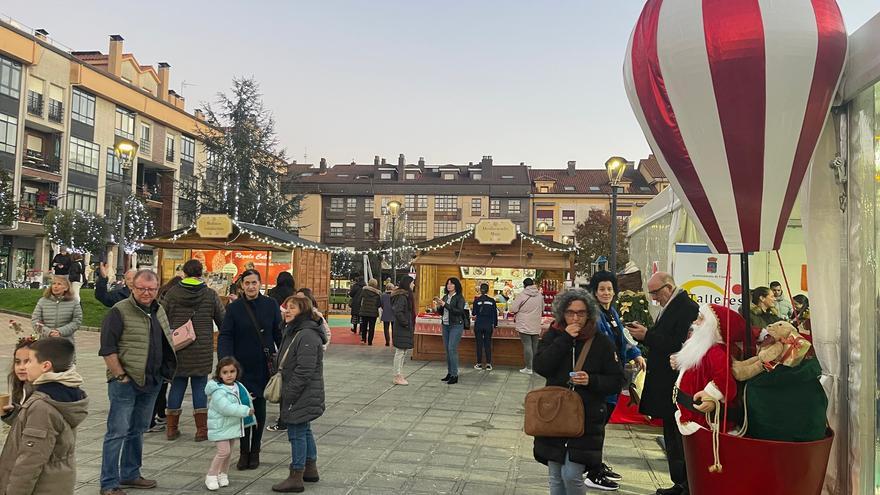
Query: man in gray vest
point(136, 347)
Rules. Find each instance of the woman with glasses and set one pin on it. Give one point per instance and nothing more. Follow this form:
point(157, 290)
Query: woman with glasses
point(576, 316)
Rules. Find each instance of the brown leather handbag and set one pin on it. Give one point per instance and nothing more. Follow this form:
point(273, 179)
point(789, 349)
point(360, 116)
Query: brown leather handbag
point(557, 411)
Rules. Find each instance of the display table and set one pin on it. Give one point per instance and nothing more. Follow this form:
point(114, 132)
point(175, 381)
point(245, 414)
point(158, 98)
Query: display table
point(506, 345)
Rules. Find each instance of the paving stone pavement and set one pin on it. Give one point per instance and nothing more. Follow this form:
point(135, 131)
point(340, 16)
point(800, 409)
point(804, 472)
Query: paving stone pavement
point(375, 438)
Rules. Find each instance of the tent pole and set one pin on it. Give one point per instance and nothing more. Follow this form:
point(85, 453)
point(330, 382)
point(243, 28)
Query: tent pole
point(746, 302)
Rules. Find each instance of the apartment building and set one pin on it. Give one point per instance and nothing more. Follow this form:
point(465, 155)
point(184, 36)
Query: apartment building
point(61, 114)
point(346, 205)
point(562, 198)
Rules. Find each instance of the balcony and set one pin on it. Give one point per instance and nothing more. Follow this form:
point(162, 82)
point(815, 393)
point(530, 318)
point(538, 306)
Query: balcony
point(56, 111)
point(417, 214)
point(146, 147)
point(31, 212)
point(451, 214)
point(35, 103)
point(35, 160)
point(151, 193)
point(169, 155)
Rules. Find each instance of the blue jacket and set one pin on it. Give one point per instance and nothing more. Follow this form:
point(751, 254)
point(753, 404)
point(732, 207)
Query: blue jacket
point(485, 310)
point(228, 415)
point(626, 351)
point(238, 338)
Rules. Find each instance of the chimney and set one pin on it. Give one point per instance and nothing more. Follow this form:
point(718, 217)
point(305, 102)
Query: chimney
point(180, 103)
point(401, 161)
point(41, 34)
point(376, 160)
point(421, 161)
point(164, 80)
point(487, 160)
point(571, 164)
point(114, 61)
point(401, 166)
point(323, 166)
point(201, 116)
point(381, 162)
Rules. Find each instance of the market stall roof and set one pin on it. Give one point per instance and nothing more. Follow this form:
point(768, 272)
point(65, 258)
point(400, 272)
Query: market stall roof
point(524, 251)
point(243, 236)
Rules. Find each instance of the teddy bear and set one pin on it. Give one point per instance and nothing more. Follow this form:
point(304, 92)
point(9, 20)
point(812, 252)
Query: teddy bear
point(786, 347)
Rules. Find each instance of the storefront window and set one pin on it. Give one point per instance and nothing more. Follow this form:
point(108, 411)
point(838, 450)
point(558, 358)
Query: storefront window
point(24, 261)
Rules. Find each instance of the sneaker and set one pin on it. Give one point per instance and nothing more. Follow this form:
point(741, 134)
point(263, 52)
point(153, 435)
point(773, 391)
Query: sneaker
point(161, 420)
point(488, 367)
point(526, 371)
point(212, 483)
point(600, 482)
point(609, 473)
point(223, 479)
point(478, 366)
point(276, 427)
point(156, 428)
point(400, 380)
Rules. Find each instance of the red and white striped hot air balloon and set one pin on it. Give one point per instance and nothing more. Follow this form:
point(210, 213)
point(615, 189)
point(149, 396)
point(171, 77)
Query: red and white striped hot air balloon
point(732, 96)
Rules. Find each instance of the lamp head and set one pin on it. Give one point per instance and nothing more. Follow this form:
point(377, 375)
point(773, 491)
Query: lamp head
point(616, 167)
point(125, 150)
point(393, 207)
point(542, 227)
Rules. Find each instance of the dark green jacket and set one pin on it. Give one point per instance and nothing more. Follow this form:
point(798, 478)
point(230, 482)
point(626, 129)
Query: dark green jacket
point(134, 342)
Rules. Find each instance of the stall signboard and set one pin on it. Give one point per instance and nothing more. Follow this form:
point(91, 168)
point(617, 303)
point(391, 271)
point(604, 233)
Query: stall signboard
point(235, 262)
point(495, 231)
point(214, 226)
point(487, 273)
point(703, 275)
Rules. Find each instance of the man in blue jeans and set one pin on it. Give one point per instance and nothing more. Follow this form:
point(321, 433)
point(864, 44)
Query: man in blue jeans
point(136, 347)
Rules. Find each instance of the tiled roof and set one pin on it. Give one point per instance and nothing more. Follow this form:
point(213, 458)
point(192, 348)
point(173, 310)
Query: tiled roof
point(587, 181)
point(652, 167)
point(427, 174)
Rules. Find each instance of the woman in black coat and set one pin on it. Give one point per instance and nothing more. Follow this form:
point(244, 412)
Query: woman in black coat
point(576, 313)
point(239, 338)
point(403, 309)
point(451, 309)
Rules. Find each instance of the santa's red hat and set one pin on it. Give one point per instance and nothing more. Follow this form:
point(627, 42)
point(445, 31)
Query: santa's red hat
point(729, 322)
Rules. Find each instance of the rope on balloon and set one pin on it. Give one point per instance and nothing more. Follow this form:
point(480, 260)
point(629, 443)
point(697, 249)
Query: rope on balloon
point(785, 279)
point(713, 420)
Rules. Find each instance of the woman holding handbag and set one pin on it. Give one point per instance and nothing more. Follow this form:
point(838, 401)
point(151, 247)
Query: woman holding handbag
point(451, 308)
point(301, 366)
point(251, 333)
point(576, 317)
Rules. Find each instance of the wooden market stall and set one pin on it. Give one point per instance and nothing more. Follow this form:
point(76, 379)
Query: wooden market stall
point(227, 247)
point(497, 253)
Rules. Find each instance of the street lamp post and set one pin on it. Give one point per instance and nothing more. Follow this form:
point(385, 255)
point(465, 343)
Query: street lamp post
point(393, 210)
point(616, 167)
point(125, 151)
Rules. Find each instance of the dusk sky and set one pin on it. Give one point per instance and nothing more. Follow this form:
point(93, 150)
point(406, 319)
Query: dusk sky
point(523, 81)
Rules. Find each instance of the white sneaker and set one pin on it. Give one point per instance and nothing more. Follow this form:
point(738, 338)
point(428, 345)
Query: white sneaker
point(526, 371)
point(223, 479)
point(212, 483)
point(478, 366)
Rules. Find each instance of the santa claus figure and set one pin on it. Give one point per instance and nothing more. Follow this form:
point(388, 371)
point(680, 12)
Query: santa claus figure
point(704, 366)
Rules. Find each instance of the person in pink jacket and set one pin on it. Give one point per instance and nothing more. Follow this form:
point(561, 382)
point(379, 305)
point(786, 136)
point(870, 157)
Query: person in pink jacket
point(527, 308)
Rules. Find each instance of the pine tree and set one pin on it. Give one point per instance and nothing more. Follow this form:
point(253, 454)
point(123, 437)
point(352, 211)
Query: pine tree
point(8, 201)
point(245, 162)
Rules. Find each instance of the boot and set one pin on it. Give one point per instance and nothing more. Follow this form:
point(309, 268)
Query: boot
point(293, 483)
point(310, 475)
point(244, 455)
point(254, 459)
point(201, 418)
point(172, 417)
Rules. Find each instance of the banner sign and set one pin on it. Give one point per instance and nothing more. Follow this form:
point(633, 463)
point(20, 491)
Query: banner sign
point(235, 262)
point(700, 272)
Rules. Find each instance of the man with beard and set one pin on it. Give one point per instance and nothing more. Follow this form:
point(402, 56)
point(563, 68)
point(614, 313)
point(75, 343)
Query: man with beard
point(704, 377)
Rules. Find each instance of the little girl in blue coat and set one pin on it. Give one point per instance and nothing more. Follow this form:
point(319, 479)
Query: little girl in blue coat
point(230, 411)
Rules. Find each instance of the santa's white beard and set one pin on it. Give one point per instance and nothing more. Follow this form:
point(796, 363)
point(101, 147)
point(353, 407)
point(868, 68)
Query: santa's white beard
point(703, 337)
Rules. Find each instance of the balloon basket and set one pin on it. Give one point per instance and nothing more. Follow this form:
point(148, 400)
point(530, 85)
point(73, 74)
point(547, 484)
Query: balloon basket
point(756, 466)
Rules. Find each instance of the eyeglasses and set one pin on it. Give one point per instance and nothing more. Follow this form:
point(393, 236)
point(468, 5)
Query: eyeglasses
point(658, 289)
point(579, 314)
point(146, 289)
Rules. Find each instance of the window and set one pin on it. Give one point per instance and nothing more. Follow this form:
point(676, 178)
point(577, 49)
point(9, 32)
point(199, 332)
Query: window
point(124, 123)
point(351, 204)
point(568, 188)
point(187, 148)
point(418, 228)
point(385, 175)
point(645, 189)
point(337, 204)
point(83, 107)
point(445, 203)
point(476, 206)
point(368, 206)
point(114, 167)
point(477, 176)
point(10, 78)
point(410, 176)
point(567, 216)
point(514, 207)
point(507, 177)
point(82, 199)
point(368, 230)
point(448, 176)
point(146, 137)
point(84, 156)
point(494, 207)
point(336, 229)
point(8, 133)
point(594, 189)
point(34, 103)
point(544, 189)
point(413, 202)
point(350, 230)
point(442, 228)
point(545, 216)
point(169, 148)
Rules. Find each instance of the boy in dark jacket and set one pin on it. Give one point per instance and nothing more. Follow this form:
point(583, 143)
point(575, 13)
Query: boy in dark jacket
point(485, 311)
point(38, 456)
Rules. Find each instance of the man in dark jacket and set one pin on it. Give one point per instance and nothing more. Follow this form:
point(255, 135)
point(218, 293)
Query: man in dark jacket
point(251, 333)
point(355, 302)
point(109, 298)
point(61, 262)
point(485, 311)
point(678, 311)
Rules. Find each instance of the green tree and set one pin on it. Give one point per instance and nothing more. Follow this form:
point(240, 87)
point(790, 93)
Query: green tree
point(139, 222)
point(82, 232)
point(245, 162)
point(8, 200)
point(593, 239)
